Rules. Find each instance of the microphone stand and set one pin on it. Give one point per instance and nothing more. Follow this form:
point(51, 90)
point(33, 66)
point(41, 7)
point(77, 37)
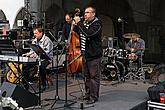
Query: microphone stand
point(53, 36)
point(66, 81)
point(56, 98)
point(121, 78)
point(39, 64)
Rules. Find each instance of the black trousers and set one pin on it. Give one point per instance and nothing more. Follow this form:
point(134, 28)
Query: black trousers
point(42, 72)
point(92, 71)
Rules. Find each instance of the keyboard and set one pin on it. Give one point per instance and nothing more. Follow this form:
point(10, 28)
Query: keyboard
point(12, 58)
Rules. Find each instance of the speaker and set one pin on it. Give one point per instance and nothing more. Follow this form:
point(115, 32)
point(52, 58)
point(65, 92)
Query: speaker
point(23, 97)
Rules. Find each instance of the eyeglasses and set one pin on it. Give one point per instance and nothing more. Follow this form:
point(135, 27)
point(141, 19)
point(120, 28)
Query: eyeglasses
point(88, 12)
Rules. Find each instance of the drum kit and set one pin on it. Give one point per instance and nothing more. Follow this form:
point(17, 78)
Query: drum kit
point(121, 64)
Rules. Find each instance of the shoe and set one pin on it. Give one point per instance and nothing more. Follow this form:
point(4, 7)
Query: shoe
point(43, 88)
point(30, 83)
point(91, 101)
point(86, 97)
point(26, 86)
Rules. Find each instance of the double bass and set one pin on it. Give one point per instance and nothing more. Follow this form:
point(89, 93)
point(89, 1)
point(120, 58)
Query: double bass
point(74, 58)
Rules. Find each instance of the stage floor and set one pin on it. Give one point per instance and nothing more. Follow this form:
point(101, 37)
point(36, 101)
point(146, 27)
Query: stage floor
point(113, 95)
point(120, 96)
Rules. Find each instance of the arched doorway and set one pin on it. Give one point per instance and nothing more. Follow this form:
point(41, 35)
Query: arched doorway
point(2, 15)
point(108, 29)
point(21, 15)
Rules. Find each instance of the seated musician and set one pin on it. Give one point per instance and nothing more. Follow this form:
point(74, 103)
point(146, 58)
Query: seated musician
point(47, 45)
point(136, 47)
point(67, 26)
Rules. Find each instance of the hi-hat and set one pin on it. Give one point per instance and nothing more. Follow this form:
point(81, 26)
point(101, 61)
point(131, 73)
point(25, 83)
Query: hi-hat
point(129, 35)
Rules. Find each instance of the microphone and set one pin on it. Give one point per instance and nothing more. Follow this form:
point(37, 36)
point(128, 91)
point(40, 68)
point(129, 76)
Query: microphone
point(81, 18)
point(120, 20)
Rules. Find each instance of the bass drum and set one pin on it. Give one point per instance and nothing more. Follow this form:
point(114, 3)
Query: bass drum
point(113, 71)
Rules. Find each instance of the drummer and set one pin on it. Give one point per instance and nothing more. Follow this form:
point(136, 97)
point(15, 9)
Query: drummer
point(136, 47)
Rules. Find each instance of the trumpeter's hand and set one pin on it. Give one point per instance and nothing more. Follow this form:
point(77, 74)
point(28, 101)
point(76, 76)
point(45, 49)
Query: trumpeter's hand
point(76, 19)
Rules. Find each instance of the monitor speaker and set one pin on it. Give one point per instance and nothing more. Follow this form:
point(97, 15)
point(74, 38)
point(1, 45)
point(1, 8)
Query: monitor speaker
point(23, 97)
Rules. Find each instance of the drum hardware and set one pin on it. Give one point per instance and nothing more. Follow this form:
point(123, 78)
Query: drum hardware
point(136, 73)
point(141, 72)
point(132, 68)
point(149, 70)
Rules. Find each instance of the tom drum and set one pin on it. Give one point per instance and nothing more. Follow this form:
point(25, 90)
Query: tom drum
point(122, 54)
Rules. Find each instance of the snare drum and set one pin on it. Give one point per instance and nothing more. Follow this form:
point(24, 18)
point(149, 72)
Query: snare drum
point(122, 54)
point(132, 56)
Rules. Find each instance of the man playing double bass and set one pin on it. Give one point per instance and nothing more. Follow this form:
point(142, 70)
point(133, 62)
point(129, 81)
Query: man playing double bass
point(90, 31)
point(66, 29)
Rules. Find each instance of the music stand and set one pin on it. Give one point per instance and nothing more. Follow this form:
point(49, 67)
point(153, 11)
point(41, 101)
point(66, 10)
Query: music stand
point(39, 51)
point(41, 55)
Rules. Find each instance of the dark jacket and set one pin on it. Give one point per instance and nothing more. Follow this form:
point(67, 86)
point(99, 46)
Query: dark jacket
point(66, 31)
point(93, 45)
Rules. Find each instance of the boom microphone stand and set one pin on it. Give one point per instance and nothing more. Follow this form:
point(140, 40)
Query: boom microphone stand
point(120, 78)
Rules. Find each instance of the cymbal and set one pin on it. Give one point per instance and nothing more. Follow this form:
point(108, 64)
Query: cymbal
point(129, 35)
